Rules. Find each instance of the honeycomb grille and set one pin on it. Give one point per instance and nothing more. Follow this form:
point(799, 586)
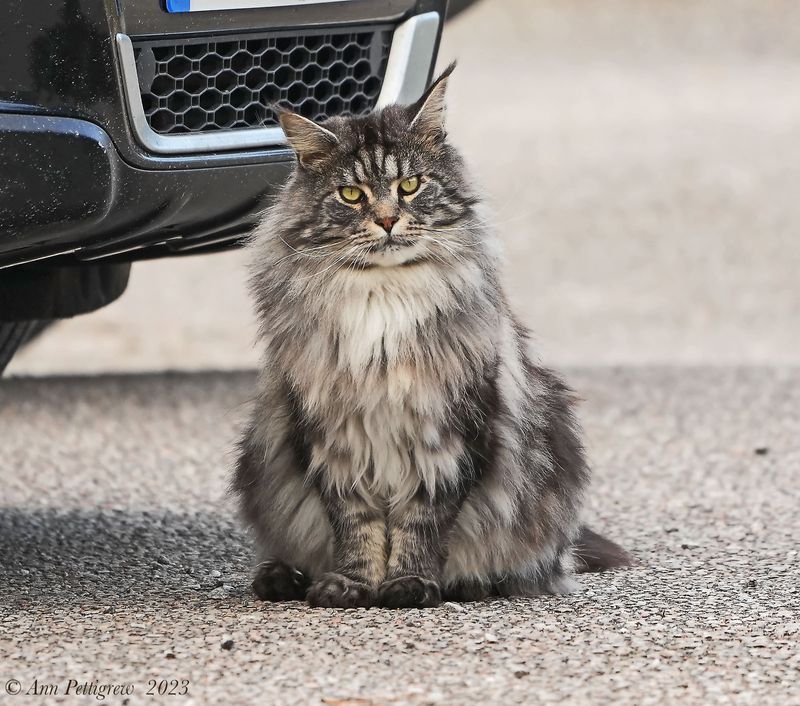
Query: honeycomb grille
point(198, 85)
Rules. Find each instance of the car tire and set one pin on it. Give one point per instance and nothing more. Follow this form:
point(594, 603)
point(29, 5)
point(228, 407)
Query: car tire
point(14, 335)
point(456, 6)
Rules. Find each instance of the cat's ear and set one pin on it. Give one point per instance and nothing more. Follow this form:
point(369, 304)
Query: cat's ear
point(429, 111)
point(312, 142)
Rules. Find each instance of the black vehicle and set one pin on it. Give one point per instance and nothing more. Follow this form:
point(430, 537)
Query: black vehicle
point(134, 129)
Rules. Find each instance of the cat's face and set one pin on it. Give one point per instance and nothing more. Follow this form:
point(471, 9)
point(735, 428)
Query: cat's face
point(384, 190)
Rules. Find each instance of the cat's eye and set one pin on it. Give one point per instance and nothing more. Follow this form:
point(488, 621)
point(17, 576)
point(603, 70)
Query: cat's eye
point(409, 185)
point(351, 194)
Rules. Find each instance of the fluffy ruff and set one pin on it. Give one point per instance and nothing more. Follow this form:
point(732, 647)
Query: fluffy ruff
point(397, 390)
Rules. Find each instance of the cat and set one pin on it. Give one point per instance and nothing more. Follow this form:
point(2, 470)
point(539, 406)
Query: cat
point(403, 449)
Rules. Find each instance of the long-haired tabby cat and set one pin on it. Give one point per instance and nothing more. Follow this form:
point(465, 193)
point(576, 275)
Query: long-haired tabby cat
point(403, 448)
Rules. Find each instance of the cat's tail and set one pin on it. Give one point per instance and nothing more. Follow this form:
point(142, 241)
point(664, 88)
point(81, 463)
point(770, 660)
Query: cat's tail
point(593, 552)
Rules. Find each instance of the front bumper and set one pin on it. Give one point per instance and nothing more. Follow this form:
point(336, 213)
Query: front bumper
point(82, 180)
point(71, 195)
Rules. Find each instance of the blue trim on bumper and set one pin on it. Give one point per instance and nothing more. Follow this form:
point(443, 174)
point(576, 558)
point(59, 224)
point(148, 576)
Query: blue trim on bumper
point(179, 6)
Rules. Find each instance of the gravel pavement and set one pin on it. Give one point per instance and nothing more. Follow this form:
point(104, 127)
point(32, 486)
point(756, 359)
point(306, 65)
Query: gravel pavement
point(121, 561)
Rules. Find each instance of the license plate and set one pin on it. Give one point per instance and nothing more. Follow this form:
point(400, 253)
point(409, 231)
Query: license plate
point(217, 5)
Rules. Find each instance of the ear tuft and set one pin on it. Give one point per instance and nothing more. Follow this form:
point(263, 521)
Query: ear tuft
point(429, 111)
point(312, 142)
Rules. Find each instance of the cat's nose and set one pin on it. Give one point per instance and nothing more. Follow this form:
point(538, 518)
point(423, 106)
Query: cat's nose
point(387, 223)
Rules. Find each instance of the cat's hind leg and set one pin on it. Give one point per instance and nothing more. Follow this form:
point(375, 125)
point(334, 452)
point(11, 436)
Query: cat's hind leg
point(550, 576)
point(290, 528)
point(466, 590)
point(276, 581)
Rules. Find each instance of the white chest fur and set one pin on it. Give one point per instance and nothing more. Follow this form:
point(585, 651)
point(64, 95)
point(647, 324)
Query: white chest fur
point(378, 316)
point(383, 408)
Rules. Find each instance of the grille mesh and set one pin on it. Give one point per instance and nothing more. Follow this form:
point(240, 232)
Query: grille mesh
point(197, 85)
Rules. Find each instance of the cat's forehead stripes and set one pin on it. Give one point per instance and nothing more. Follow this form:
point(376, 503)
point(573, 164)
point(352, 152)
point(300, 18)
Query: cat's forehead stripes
point(359, 171)
point(376, 164)
point(390, 166)
point(376, 157)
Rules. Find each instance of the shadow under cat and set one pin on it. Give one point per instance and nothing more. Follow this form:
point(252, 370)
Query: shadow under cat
point(114, 558)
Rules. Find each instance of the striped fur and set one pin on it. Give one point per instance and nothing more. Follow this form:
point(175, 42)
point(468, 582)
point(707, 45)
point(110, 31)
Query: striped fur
point(403, 447)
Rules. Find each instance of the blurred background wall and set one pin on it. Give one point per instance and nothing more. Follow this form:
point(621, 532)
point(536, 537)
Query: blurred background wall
point(642, 160)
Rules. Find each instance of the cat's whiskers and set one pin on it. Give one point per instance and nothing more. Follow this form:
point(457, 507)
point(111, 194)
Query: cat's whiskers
point(451, 252)
point(310, 250)
point(447, 237)
point(466, 224)
point(294, 256)
point(343, 256)
point(299, 256)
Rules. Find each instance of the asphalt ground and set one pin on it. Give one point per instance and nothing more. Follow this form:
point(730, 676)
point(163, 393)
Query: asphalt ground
point(121, 560)
point(643, 162)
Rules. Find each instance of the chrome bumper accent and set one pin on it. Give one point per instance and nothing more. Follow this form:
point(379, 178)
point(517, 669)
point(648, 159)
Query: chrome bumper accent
point(410, 59)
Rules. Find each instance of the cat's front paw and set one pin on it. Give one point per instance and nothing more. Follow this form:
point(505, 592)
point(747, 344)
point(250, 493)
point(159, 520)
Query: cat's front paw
point(409, 592)
point(337, 591)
